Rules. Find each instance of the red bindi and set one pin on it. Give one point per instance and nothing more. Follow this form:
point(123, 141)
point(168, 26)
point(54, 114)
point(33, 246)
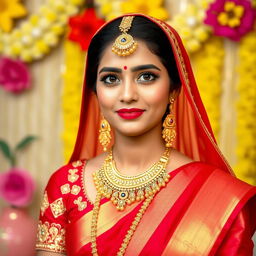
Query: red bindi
point(125, 67)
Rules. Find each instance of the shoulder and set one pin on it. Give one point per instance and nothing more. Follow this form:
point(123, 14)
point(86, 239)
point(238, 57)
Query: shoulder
point(66, 173)
point(95, 163)
point(178, 160)
point(216, 175)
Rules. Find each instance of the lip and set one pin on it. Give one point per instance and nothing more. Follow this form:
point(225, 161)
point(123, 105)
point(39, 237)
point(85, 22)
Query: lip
point(130, 113)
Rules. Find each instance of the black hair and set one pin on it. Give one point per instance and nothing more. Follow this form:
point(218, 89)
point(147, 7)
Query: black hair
point(142, 29)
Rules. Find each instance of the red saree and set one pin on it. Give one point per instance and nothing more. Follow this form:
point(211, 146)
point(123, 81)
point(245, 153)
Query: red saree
point(203, 210)
point(178, 222)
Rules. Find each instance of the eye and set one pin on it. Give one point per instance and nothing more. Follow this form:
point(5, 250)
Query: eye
point(147, 77)
point(110, 79)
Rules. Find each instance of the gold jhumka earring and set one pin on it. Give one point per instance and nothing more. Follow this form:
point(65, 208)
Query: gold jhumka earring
point(124, 44)
point(169, 125)
point(105, 135)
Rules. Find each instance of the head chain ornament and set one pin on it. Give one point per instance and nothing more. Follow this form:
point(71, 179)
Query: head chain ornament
point(124, 44)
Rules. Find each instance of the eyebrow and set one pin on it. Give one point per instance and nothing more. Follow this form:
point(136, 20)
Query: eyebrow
point(142, 67)
point(134, 69)
point(110, 69)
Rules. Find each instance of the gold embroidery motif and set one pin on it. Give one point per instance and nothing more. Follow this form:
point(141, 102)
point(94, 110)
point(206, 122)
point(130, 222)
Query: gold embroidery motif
point(73, 177)
point(65, 189)
point(81, 205)
point(75, 190)
point(57, 207)
point(45, 203)
point(50, 237)
point(77, 163)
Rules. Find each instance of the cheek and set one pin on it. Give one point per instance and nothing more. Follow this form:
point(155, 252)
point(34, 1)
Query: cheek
point(106, 97)
point(158, 97)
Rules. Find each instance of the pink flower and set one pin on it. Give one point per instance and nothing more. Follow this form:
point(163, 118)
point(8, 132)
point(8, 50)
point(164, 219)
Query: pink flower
point(17, 187)
point(14, 76)
point(230, 18)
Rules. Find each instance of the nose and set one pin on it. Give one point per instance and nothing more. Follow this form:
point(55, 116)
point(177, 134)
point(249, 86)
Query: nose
point(129, 92)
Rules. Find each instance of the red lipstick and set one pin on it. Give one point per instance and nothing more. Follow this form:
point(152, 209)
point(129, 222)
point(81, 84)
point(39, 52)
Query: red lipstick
point(130, 113)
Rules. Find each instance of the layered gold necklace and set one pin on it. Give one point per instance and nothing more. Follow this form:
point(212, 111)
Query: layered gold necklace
point(124, 190)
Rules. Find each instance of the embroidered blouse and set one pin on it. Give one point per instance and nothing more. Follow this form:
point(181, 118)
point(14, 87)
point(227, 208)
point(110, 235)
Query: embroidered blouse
point(61, 206)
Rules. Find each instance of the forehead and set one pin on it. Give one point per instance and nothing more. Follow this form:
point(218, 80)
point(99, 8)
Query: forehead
point(141, 56)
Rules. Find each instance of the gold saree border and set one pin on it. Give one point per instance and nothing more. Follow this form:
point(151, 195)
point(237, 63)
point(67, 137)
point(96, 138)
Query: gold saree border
point(198, 231)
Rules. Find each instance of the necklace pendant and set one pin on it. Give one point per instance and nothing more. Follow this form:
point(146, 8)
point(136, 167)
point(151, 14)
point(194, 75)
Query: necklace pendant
point(132, 197)
point(148, 191)
point(120, 205)
point(123, 195)
point(140, 195)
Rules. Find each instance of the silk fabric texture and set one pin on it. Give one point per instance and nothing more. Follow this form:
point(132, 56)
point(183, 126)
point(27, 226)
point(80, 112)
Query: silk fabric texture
point(196, 140)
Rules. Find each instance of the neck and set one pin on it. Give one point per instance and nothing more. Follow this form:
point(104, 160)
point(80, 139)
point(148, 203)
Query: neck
point(134, 155)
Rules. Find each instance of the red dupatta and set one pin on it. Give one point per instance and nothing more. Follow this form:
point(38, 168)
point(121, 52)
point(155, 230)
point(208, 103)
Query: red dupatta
point(196, 140)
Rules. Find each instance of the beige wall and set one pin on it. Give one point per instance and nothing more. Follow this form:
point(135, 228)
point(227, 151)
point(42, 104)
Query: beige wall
point(36, 112)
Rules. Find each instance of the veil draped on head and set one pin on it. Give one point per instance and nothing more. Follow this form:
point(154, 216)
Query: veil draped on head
point(194, 134)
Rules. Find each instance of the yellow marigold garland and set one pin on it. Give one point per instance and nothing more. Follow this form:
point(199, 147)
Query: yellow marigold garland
point(208, 66)
point(112, 9)
point(71, 98)
point(41, 31)
point(154, 8)
point(246, 110)
point(190, 26)
point(109, 9)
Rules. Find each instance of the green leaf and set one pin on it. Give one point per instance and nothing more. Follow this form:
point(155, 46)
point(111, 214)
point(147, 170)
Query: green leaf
point(7, 152)
point(25, 142)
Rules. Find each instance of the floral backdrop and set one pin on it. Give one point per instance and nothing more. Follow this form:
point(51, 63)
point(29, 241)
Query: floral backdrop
point(43, 45)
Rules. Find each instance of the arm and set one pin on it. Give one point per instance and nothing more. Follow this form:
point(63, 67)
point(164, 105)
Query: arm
point(53, 218)
point(238, 241)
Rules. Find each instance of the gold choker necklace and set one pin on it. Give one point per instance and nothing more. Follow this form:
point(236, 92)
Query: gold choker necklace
point(126, 189)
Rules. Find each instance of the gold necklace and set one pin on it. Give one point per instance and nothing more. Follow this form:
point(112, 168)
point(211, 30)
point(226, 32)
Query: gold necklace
point(124, 190)
point(154, 182)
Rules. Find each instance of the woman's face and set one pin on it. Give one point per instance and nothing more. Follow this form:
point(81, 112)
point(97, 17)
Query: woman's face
point(133, 91)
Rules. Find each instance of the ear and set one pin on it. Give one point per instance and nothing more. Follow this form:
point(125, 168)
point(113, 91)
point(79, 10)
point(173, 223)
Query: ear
point(174, 94)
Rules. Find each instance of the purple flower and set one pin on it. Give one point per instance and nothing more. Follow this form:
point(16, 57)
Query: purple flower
point(17, 187)
point(230, 18)
point(14, 76)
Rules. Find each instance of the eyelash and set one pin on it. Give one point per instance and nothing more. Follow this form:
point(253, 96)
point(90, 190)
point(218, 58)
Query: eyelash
point(104, 79)
point(152, 75)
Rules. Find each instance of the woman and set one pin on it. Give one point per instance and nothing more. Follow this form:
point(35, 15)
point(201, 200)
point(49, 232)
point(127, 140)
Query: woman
point(164, 188)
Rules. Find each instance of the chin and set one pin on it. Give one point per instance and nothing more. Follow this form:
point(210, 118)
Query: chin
point(134, 131)
point(130, 133)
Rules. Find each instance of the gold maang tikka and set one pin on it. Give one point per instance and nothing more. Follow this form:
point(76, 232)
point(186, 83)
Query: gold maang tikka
point(169, 125)
point(124, 44)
